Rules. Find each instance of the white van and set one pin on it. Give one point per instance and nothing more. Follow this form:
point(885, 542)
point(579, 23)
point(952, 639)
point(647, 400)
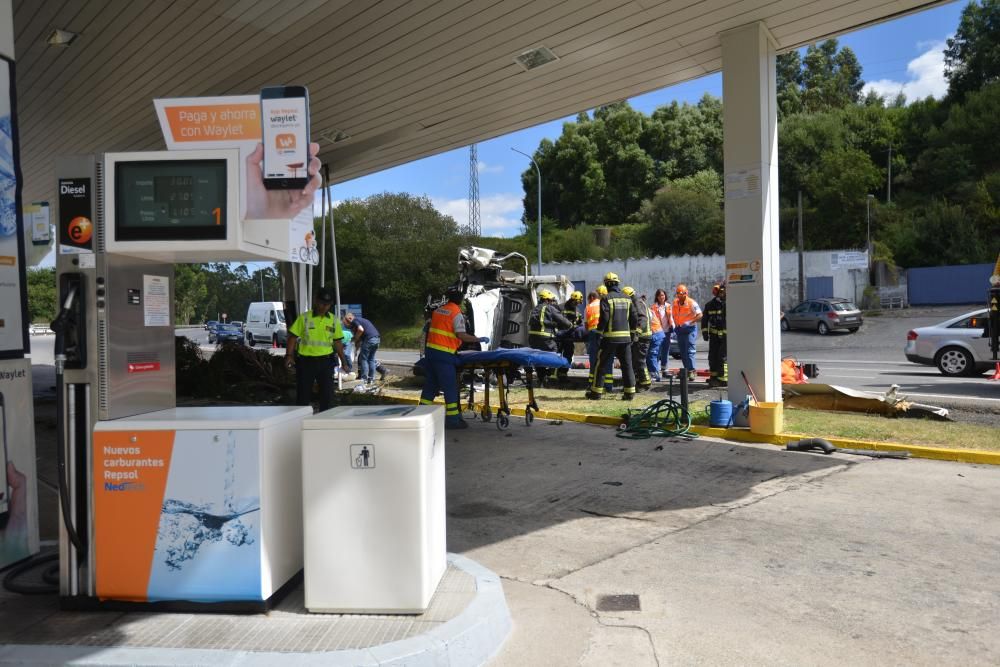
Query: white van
point(265, 323)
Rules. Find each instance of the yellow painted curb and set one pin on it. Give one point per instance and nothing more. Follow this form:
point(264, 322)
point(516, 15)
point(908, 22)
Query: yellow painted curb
point(744, 435)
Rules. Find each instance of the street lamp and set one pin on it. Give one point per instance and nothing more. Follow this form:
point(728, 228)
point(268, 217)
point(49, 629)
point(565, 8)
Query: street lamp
point(868, 215)
point(539, 206)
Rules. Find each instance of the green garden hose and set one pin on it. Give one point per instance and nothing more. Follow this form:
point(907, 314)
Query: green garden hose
point(665, 419)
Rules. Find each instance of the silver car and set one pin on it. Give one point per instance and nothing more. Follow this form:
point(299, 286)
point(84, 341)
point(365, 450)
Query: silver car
point(823, 315)
point(958, 346)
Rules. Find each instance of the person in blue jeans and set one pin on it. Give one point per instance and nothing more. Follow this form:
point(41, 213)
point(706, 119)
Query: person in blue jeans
point(366, 339)
point(686, 314)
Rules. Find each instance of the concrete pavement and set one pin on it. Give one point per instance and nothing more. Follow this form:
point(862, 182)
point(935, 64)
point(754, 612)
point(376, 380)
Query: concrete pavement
point(739, 554)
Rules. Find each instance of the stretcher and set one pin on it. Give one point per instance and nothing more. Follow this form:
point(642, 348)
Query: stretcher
point(504, 363)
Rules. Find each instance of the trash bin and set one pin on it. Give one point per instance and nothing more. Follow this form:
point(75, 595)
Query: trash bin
point(373, 491)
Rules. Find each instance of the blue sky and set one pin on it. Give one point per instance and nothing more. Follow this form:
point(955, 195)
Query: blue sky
point(902, 55)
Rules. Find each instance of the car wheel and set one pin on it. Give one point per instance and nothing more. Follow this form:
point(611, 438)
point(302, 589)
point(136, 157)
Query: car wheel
point(954, 362)
point(784, 324)
point(823, 328)
point(854, 329)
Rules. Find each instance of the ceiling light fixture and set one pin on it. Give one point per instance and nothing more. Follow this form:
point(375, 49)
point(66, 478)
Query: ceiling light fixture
point(536, 57)
point(333, 135)
point(59, 37)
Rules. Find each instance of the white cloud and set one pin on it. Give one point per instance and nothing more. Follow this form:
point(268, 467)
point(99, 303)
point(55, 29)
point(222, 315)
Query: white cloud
point(926, 76)
point(499, 215)
point(484, 168)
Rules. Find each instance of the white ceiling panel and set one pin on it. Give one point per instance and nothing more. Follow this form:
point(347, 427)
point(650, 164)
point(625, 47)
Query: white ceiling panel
point(404, 78)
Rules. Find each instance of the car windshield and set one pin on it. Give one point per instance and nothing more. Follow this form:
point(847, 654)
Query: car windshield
point(842, 306)
point(228, 327)
point(281, 315)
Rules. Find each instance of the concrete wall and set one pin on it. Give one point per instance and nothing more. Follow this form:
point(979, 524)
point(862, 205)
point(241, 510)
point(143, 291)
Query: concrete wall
point(700, 272)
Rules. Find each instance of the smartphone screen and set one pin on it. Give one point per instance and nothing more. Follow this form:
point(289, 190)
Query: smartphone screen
point(285, 124)
point(4, 490)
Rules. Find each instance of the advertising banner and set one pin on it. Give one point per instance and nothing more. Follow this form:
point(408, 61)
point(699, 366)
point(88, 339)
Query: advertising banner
point(18, 481)
point(198, 123)
point(13, 282)
point(76, 229)
point(177, 515)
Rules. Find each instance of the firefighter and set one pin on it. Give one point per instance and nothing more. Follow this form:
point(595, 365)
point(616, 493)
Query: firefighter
point(445, 334)
point(616, 323)
point(544, 323)
point(643, 335)
point(571, 311)
point(714, 332)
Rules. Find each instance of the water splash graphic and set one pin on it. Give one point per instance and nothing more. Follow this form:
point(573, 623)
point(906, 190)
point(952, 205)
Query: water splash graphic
point(185, 526)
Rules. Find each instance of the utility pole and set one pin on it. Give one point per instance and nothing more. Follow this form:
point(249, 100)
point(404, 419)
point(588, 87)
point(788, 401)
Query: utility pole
point(888, 180)
point(475, 224)
point(802, 272)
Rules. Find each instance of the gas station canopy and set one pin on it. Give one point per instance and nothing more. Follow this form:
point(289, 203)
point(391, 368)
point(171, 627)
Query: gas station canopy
point(390, 81)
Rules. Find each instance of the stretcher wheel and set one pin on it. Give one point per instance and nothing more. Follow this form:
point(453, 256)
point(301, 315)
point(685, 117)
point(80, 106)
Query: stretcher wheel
point(529, 417)
point(485, 415)
point(502, 421)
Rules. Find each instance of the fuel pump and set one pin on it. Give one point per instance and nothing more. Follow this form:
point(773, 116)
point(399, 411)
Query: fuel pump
point(192, 508)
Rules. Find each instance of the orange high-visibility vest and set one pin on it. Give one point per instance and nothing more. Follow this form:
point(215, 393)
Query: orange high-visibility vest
point(593, 314)
point(684, 314)
point(441, 334)
point(654, 321)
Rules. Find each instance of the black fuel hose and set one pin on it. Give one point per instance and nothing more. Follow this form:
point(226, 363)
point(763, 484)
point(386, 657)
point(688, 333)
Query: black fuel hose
point(59, 326)
point(50, 576)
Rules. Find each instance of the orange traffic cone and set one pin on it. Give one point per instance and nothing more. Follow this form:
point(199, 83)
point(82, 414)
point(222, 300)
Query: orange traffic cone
point(274, 343)
point(996, 372)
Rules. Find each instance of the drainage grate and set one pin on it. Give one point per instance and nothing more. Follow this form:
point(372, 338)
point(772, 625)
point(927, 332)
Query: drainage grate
point(627, 602)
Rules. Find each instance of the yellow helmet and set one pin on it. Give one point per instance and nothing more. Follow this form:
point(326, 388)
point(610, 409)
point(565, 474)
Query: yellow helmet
point(611, 277)
point(628, 291)
point(577, 295)
point(546, 295)
point(602, 290)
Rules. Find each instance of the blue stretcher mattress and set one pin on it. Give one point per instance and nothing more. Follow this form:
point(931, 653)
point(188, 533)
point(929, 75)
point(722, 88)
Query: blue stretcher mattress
point(521, 356)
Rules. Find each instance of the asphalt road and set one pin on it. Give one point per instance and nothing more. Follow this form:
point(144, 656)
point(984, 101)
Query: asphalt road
point(871, 359)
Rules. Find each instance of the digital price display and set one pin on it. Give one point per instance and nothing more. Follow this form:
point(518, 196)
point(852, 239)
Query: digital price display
point(170, 200)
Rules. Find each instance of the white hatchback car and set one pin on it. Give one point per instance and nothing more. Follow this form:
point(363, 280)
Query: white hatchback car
point(958, 346)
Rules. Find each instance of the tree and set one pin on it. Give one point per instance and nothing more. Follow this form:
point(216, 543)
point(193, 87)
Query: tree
point(394, 250)
point(41, 295)
point(831, 79)
point(788, 68)
point(972, 56)
point(685, 216)
point(190, 291)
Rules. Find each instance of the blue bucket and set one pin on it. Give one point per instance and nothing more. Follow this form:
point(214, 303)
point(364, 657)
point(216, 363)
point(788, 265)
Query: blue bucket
point(720, 413)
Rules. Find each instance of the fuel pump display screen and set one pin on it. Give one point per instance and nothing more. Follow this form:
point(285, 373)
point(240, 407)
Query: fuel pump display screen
point(172, 200)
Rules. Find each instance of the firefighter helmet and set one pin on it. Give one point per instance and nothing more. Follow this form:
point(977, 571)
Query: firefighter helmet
point(628, 291)
point(577, 295)
point(602, 290)
point(546, 295)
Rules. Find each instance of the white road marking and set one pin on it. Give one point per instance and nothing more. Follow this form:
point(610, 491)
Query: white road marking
point(907, 364)
point(852, 377)
point(909, 394)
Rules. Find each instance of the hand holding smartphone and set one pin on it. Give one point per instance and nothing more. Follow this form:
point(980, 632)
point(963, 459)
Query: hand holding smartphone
point(285, 136)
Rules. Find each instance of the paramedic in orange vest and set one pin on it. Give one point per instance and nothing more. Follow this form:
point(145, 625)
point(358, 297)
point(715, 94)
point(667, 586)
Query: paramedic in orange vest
point(655, 343)
point(686, 314)
point(591, 317)
point(445, 334)
point(661, 310)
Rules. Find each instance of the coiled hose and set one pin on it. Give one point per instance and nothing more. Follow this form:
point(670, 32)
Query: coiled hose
point(664, 419)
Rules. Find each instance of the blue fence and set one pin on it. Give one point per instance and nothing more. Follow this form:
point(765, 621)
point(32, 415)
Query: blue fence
point(942, 285)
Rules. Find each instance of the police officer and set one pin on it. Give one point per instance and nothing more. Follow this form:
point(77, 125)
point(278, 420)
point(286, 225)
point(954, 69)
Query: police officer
point(641, 339)
point(571, 311)
point(714, 331)
point(544, 323)
point(617, 320)
point(445, 334)
point(312, 339)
